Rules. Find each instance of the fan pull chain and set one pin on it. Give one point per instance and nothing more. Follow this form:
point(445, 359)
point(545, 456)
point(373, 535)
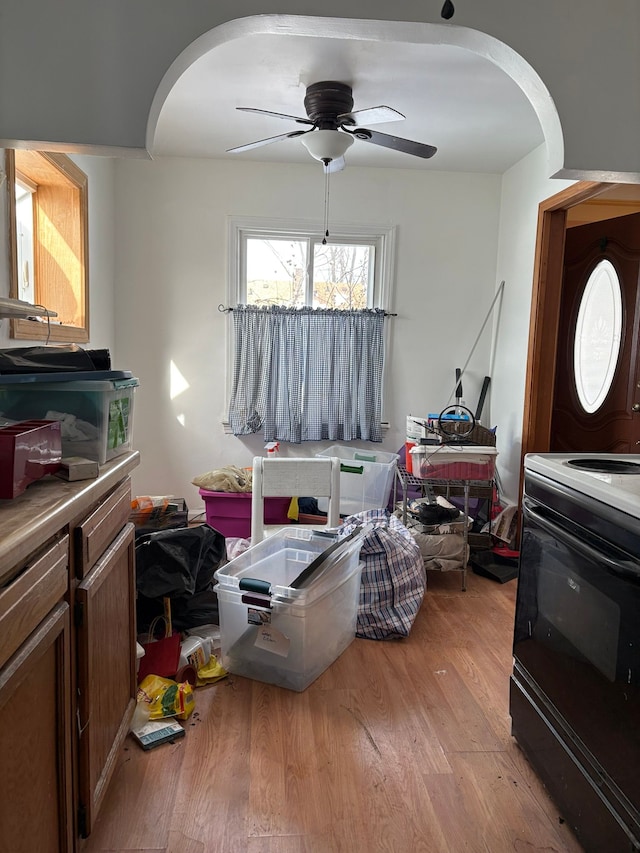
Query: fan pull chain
point(326, 204)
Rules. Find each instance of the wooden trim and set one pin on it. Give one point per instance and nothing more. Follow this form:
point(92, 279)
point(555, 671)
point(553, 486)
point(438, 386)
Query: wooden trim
point(10, 172)
point(33, 330)
point(545, 312)
point(43, 168)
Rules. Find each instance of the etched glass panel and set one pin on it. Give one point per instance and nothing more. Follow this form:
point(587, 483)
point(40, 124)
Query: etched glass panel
point(598, 336)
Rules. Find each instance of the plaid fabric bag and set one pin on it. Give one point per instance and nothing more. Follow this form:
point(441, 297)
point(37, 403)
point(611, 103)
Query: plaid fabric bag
point(393, 577)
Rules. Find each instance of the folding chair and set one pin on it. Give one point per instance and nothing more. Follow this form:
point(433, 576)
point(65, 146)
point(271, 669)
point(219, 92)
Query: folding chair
point(293, 477)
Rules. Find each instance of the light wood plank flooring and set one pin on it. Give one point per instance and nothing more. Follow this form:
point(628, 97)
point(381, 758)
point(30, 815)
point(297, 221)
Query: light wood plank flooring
point(400, 746)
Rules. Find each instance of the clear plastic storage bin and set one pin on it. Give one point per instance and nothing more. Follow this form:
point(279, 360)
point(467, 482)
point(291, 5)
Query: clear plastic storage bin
point(96, 415)
point(365, 479)
point(282, 635)
point(453, 462)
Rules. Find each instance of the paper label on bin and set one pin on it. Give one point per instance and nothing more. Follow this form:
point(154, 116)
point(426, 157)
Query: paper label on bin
point(256, 616)
point(272, 640)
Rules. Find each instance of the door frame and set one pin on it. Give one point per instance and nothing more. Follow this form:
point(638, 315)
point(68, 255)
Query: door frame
point(545, 310)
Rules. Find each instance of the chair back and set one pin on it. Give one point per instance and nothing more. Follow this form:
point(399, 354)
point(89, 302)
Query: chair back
point(317, 477)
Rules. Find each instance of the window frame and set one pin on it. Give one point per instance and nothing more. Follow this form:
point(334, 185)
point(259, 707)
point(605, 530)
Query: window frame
point(74, 183)
point(382, 236)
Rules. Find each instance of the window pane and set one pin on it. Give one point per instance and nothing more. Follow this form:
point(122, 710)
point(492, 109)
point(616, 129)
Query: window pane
point(342, 275)
point(598, 336)
point(24, 242)
point(276, 271)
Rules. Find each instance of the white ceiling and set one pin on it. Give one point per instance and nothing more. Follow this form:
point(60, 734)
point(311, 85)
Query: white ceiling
point(452, 98)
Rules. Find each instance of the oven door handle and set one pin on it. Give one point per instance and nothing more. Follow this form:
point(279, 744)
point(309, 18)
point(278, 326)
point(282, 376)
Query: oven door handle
point(624, 568)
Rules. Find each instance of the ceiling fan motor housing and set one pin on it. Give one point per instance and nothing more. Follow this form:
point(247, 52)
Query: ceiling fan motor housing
point(326, 101)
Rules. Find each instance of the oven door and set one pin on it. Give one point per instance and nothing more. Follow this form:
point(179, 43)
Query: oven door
point(577, 638)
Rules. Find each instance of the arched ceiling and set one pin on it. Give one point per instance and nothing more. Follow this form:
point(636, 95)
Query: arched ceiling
point(452, 97)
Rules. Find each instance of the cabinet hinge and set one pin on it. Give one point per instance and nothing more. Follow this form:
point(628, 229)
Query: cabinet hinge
point(82, 821)
point(78, 614)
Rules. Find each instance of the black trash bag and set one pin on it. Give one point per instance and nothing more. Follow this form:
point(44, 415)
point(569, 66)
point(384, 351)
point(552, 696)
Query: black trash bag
point(56, 359)
point(179, 565)
point(178, 562)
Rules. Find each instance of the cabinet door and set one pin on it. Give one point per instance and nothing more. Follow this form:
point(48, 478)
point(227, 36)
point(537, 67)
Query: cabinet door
point(24, 602)
point(95, 533)
point(106, 642)
point(35, 742)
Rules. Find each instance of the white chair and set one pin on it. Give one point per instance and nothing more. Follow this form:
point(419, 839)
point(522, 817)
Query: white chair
point(293, 477)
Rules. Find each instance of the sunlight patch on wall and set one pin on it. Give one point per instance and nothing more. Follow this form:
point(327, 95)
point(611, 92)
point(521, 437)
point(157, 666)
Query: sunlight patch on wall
point(177, 383)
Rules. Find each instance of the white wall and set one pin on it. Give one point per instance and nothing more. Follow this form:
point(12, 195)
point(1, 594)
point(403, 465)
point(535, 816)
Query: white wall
point(524, 186)
point(171, 239)
point(157, 260)
point(100, 172)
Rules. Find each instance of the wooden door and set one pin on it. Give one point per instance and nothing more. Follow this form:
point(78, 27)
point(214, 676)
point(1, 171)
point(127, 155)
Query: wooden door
point(106, 643)
point(36, 812)
point(614, 426)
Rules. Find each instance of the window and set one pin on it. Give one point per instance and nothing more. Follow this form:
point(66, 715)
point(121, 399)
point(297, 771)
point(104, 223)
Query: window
point(308, 343)
point(282, 263)
point(598, 336)
point(48, 241)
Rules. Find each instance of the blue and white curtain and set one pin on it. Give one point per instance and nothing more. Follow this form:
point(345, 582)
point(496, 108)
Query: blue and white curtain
point(304, 374)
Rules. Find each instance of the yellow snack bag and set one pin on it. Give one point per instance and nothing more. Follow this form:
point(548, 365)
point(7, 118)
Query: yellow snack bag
point(166, 698)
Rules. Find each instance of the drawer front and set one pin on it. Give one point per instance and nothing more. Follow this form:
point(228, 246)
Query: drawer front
point(99, 529)
point(31, 596)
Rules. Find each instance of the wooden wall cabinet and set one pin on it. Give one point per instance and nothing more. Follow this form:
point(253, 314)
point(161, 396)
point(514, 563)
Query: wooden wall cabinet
point(67, 654)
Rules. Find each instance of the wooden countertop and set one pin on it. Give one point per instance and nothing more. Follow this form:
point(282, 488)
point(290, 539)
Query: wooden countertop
point(47, 506)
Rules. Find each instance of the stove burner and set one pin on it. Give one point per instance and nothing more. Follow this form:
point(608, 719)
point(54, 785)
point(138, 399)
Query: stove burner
point(605, 466)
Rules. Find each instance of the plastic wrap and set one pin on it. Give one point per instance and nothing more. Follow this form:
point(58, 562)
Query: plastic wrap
point(52, 359)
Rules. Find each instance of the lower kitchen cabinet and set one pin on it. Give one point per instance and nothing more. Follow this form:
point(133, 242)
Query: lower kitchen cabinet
point(67, 654)
point(36, 809)
point(105, 643)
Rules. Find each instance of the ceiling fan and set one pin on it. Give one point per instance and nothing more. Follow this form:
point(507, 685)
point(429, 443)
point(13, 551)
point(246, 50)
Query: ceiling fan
point(333, 125)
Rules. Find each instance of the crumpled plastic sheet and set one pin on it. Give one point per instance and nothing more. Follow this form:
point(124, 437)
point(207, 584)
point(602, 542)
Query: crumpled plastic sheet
point(227, 479)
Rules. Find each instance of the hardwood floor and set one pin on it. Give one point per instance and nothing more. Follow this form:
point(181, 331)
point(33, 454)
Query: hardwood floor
point(400, 746)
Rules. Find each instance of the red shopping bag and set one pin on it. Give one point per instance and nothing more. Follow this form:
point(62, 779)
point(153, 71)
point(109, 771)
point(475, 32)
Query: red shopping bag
point(162, 655)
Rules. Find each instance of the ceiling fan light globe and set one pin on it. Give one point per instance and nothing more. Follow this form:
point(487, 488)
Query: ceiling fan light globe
point(327, 145)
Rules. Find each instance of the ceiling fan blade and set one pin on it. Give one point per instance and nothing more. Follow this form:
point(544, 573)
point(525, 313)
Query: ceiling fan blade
point(277, 115)
point(397, 143)
point(336, 165)
point(268, 141)
point(372, 115)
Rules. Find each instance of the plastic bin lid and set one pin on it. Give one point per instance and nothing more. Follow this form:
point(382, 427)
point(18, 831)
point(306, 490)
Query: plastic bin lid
point(267, 562)
point(359, 454)
point(65, 376)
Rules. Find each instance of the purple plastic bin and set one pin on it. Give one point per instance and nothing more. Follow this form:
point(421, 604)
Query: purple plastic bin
point(230, 512)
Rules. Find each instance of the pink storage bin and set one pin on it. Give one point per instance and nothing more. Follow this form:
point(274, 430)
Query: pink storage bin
point(432, 462)
point(230, 512)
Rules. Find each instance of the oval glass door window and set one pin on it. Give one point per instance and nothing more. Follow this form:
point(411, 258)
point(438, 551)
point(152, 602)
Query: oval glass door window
point(598, 336)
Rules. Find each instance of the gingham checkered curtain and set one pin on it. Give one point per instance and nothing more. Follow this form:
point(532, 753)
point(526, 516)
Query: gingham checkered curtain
point(303, 374)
